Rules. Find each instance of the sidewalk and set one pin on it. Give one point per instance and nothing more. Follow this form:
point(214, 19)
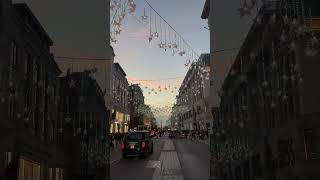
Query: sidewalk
point(115, 154)
point(170, 168)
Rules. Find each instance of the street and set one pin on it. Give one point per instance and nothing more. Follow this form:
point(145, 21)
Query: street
point(172, 159)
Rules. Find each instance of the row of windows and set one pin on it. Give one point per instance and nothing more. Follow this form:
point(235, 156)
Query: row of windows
point(35, 98)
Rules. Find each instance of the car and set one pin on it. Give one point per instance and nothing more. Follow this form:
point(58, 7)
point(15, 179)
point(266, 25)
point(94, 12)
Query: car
point(183, 135)
point(137, 143)
point(172, 134)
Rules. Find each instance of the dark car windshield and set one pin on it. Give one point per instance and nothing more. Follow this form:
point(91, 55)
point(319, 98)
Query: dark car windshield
point(134, 136)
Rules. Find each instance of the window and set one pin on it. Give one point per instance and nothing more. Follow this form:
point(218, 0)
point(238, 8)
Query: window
point(29, 170)
point(27, 64)
point(13, 57)
point(51, 130)
point(311, 145)
point(256, 166)
point(12, 106)
point(50, 174)
point(59, 174)
point(37, 98)
point(8, 157)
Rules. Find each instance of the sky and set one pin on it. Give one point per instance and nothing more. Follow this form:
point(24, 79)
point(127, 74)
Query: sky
point(142, 60)
point(78, 29)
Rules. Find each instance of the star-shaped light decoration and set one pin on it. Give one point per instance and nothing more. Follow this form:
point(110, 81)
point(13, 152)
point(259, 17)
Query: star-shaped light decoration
point(79, 130)
point(294, 22)
point(258, 20)
point(311, 52)
point(19, 115)
point(285, 78)
point(67, 119)
point(10, 83)
point(155, 35)
point(181, 53)
point(283, 36)
point(265, 83)
point(161, 45)
point(60, 130)
point(292, 77)
point(252, 55)
point(81, 99)
point(233, 72)
point(286, 19)
point(118, 31)
point(292, 46)
point(273, 18)
point(314, 40)
point(85, 131)
point(284, 97)
point(243, 78)
point(72, 83)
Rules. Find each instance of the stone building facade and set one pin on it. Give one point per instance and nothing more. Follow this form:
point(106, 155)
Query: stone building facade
point(193, 98)
point(266, 125)
point(120, 91)
point(136, 100)
point(28, 90)
point(83, 128)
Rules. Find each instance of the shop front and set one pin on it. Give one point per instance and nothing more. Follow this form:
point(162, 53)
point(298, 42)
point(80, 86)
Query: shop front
point(120, 122)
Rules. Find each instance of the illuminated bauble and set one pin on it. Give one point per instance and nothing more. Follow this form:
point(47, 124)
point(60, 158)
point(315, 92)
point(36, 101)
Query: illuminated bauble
point(273, 64)
point(85, 131)
point(273, 104)
point(284, 97)
point(60, 130)
point(79, 130)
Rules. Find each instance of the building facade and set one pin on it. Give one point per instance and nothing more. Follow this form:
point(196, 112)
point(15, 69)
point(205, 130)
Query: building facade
point(83, 128)
point(266, 124)
point(29, 97)
point(136, 99)
point(120, 97)
point(192, 108)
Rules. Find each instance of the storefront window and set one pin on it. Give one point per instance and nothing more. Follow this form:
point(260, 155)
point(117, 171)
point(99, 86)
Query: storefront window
point(29, 170)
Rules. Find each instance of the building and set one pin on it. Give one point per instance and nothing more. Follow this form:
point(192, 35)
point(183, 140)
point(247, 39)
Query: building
point(266, 123)
point(136, 99)
point(192, 108)
point(29, 97)
point(83, 128)
point(120, 97)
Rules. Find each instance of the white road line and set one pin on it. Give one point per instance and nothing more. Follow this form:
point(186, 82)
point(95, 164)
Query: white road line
point(170, 167)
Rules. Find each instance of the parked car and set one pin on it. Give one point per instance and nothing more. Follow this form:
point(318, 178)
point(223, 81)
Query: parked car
point(138, 143)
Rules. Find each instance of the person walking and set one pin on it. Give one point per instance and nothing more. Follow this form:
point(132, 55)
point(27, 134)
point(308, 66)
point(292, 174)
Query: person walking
point(112, 142)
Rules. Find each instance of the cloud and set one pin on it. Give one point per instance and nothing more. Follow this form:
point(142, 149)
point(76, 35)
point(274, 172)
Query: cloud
point(141, 35)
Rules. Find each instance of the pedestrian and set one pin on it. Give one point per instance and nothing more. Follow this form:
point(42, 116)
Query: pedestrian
point(112, 142)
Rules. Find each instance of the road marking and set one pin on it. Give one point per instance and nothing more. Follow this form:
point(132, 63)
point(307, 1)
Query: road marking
point(153, 164)
point(170, 168)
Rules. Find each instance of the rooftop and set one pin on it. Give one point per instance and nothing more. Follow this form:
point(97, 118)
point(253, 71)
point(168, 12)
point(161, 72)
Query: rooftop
point(120, 68)
point(206, 10)
point(29, 17)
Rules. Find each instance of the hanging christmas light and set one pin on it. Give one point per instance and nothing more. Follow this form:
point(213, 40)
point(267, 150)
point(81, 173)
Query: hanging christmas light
point(144, 17)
